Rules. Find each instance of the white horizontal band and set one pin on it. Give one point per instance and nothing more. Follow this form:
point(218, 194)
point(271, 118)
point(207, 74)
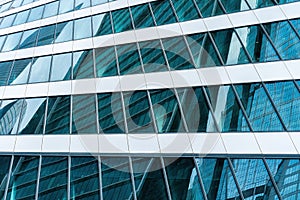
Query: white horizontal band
point(278, 143)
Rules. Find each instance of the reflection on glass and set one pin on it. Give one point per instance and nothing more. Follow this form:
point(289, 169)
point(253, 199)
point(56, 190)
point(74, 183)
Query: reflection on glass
point(29, 39)
point(185, 10)
point(105, 60)
point(35, 13)
point(80, 4)
point(46, 35)
point(82, 28)
point(234, 5)
point(64, 32)
point(21, 17)
point(5, 163)
point(121, 20)
point(12, 41)
point(209, 8)
point(4, 72)
point(101, 24)
point(142, 17)
point(61, 67)
point(7, 21)
point(83, 64)
point(260, 3)
point(20, 71)
point(163, 13)
point(50, 9)
point(40, 69)
point(65, 6)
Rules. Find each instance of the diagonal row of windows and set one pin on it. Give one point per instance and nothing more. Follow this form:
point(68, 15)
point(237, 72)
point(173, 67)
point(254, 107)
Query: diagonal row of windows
point(258, 107)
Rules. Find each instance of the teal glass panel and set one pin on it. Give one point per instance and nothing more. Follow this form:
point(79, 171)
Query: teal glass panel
point(12, 41)
point(149, 178)
point(61, 67)
point(286, 1)
point(5, 68)
point(166, 111)
point(260, 3)
point(80, 4)
point(65, 6)
point(29, 38)
point(22, 184)
point(35, 13)
point(129, 60)
point(84, 118)
point(32, 116)
point(51, 9)
point(5, 164)
point(226, 109)
point(121, 20)
point(185, 10)
point(53, 178)
point(83, 64)
point(64, 32)
point(163, 12)
point(152, 56)
point(40, 69)
point(110, 113)
point(209, 8)
point(106, 64)
point(196, 110)
point(142, 17)
point(296, 25)
point(259, 109)
point(46, 35)
point(84, 178)
point(20, 71)
point(21, 17)
point(101, 24)
point(58, 115)
point(286, 98)
point(177, 53)
point(7, 21)
point(284, 39)
point(203, 51)
point(230, 48)
point(232, 6)
point(138, 113)
point(82, 28)
point(116, 181)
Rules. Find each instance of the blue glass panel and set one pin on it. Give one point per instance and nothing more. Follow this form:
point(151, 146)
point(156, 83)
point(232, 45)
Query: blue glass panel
point(163, 12)
point(5, 163)
point(84, 114)
point(58, 115)
point(97, 2)
point(46, 35)
point(84, 178)
point(32, 116)
point(2, 40)
point(80, 4)
point(61, 67)
point(64, 32)
point(53, 178)
point(20, 71)
point(234, 5)
point(166, 111)
point(83, 64)
point(101, 24)
point(296, 24)
point(65, 6)
point(51, 9)
point(82, 28)
point(121, 20)
point(40, 69)
point(106, 63)
point(110, 113)
point(209, 8)
point(23, 178)
point(116, 181)
point(142, 17)
point(35, 13)
point(185, 10)
point(29, 39)
point(7, 21)
point(12, 41)
point(4, 72)
point(21, 17)
point(138, 113)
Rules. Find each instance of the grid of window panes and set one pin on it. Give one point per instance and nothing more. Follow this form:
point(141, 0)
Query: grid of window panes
point(104, 177)
point(258, 107)
point(258, 43)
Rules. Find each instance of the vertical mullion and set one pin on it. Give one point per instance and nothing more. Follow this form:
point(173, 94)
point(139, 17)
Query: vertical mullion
point(69, 178)
point(38, 178)
point(132, 178)
point(9, 175)
point(152, 112)
point(234, 178)
point(165, 178)
point(100, 178)
point(124, 112)
point(200, 179)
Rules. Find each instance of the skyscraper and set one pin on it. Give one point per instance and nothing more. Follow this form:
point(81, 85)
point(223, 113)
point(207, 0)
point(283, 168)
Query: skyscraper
point(149, 99)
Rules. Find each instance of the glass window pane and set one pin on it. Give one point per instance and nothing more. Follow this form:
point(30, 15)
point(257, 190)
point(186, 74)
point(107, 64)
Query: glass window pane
point(21, 17)
point(129, 60)
point(106, 64)
point(84, 114)
point(80, 4)
point(7, 21)
point(16, 3)
point(61, 67)
point(4, 72)
point(35, 13)
point(166, 111)
point(177, 53)
point(142, 16)
point(53, 178)
point(12, 41)
point(46, 35)
point(2, 40)
point(32, 117)
point(22, 184)
point(110, 113)
point(209, 8)
point(101, 24)
point(83, 64)
point(20, 72)
point(152, 56)
point(98, 2)
point(82, 28)
point(260, 3)
point(296, 24)
point(5, 7)
point(58, 115)
point(185, 10)
point(5, 163)
point(121, 20)
point(65, 6)
point(234, 5)
point(40, 69)
point(138, 113)
point(29, 39)
point(51, 9)
point(84, 178)
point(64, 32)
point(163, 12)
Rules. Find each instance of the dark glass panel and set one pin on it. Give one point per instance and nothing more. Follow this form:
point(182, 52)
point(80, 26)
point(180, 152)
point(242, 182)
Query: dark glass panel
point(166, 111)
point(24, 173)
point(4, 72)
point(286, 98)
point(260, 3)
point(101, 24)
point(203, 50)
point(84, 114)
point(20, 71)
point(53, 178)
point(84, 178)
point(259, 109)
point(121, 20)
point(142, 17)
point(177, 53)
point(46, 35)
point(163, 12)
point(185, 10)
point(58, 115)
point(29, 38)
point(4, 170)
point(110, 112)
point(64, 32)
point(61, 67)
point(82, 28)
point(106, 64)
point(36, 13)
point(226, 109)
point(129, 60)
point(83, 64)
point(32, 116)
point(209, 8)
point(234, 5)
point(40, 69)
point(196, 110)
point(152, 56)
point(286, 1)
point(116, 181)
point(138, 113)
